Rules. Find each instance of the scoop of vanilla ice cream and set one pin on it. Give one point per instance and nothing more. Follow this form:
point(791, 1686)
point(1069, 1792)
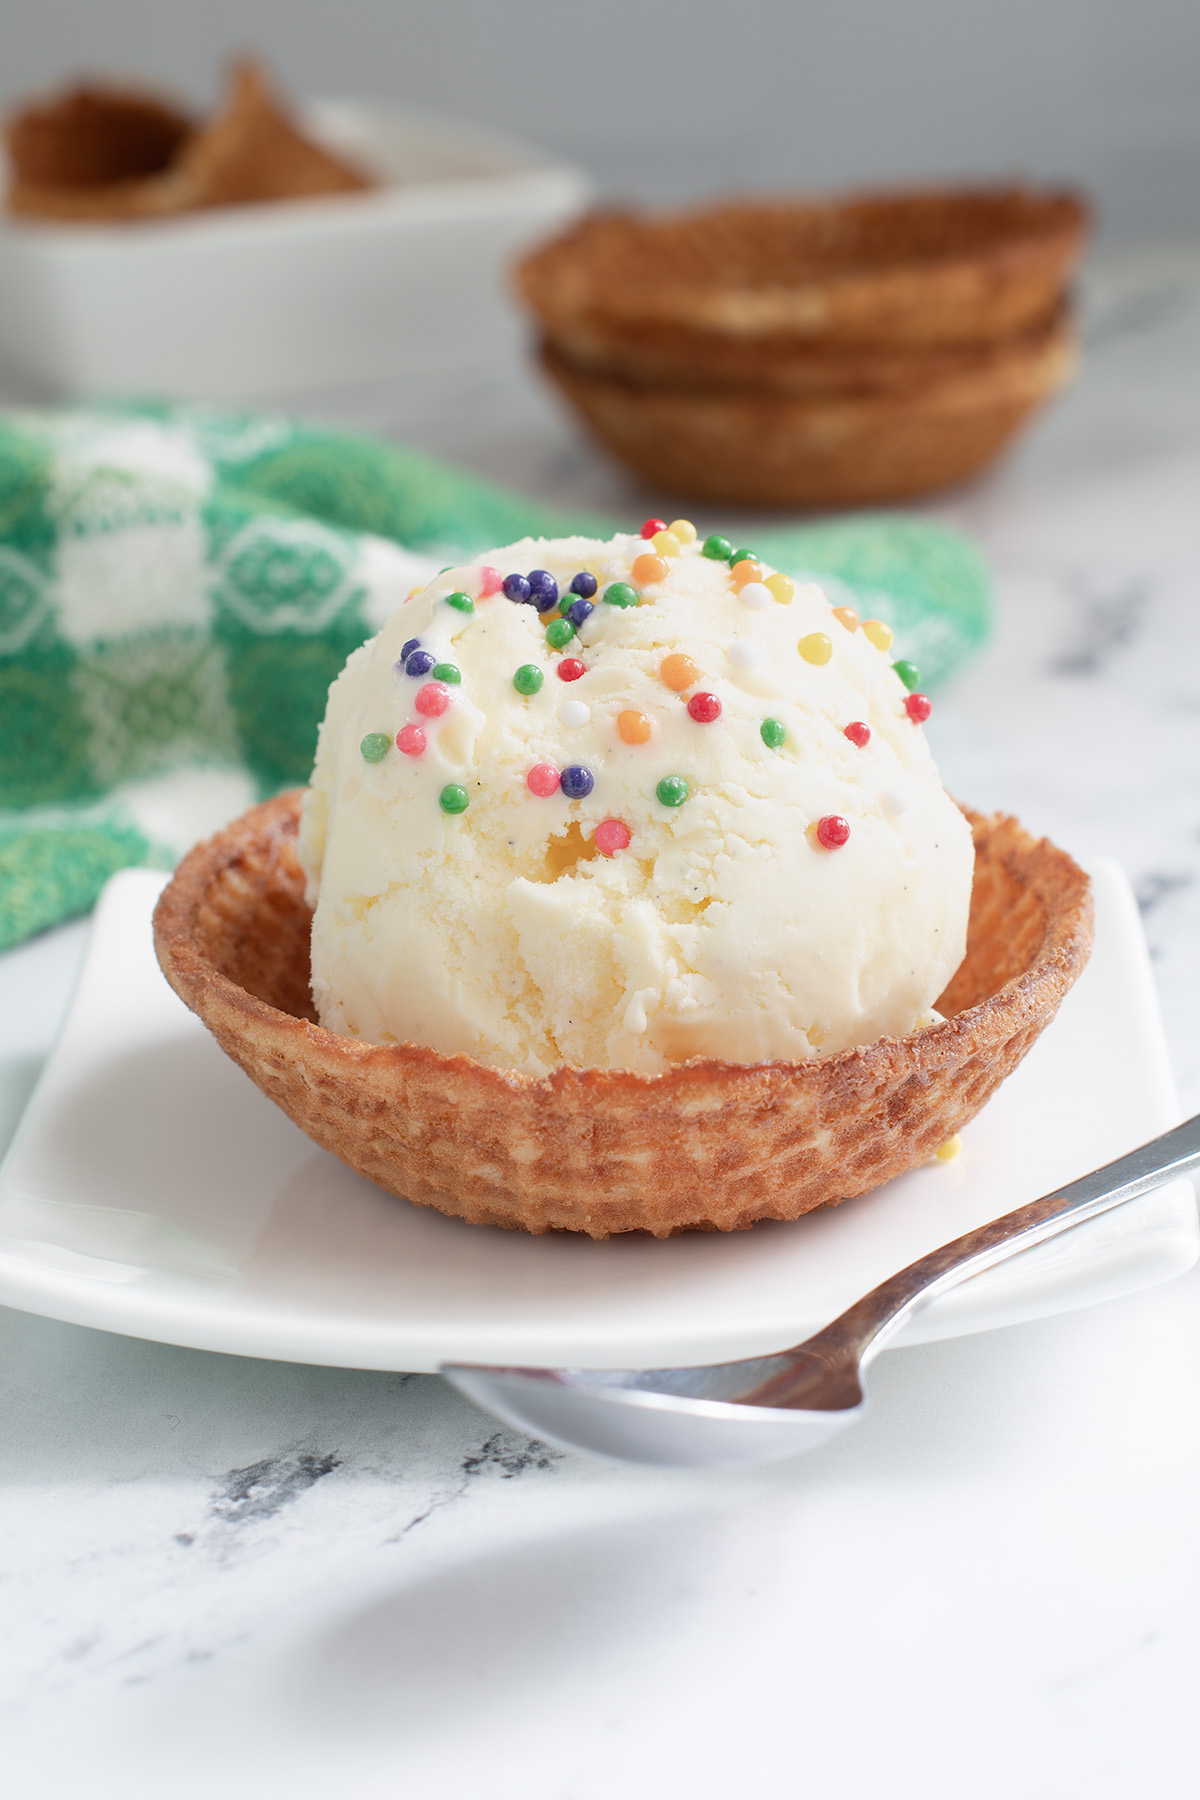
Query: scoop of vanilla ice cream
point(724, 926)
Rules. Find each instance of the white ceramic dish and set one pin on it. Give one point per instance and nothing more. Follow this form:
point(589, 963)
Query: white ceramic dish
point(249, 301)
point(151, 1189)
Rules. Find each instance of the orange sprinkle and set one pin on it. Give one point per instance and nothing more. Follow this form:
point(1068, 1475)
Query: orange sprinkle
point(782, 586)
point(633, 728)
point(846, 615)
point(678, 671)
point(880, 634)
point(650, 568)
point(746, 570)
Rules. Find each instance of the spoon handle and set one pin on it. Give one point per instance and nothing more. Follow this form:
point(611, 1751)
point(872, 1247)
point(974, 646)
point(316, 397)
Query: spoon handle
point(892, 1303)
point(825, 1368)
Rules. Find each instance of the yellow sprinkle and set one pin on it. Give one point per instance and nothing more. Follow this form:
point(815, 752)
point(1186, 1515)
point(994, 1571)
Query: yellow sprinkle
point(950, 1149)
point(782, 586)
point(815, 648)
point(846, 615)
point(666, 543)
point(683, 529)
point(880, 634)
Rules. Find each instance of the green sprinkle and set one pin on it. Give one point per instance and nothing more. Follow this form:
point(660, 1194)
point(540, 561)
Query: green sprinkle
point(909, 674)
point(375, 746)
point(619, 593)
point(454, 799)
point(672, 790)
point(528, 678)
point(559, 632)
point(445, 672)
point(718, 549)
point(772, 733)
point(737, 556)
point(460, 602)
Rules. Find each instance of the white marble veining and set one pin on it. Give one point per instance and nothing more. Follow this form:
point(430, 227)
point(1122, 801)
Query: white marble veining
point(227, 1577)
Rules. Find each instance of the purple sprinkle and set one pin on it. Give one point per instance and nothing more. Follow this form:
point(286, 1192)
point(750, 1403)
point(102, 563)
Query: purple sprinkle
point(578, 611)
point(412, 644)
point(543, 589)
point(576, 782)
point(584, 584)
point(516, 587)
point(420, 662)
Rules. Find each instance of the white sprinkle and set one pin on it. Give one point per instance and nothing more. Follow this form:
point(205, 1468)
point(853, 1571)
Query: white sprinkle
point(895, 800)
point(756, 595)
point(574, 712)
point(743, 653)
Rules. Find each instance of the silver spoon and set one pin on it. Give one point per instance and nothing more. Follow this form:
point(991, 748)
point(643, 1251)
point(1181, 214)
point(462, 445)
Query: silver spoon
point(721, 1415)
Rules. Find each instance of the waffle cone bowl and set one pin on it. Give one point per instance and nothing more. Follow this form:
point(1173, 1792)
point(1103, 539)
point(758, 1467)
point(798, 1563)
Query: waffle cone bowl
point(708, 1145)
point(911, 269)
point(858, 445)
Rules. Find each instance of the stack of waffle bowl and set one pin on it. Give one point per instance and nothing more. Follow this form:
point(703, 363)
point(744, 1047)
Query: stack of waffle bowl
point(709, 1145)
point(829, 354)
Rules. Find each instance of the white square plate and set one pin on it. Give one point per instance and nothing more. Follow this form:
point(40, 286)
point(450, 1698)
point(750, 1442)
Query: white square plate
point(152, 1189)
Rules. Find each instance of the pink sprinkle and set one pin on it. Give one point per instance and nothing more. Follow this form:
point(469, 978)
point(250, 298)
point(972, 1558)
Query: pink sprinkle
point(612, 835)
point(489, 581)
point(411, 739)
point(433, 699)
point(542, 780)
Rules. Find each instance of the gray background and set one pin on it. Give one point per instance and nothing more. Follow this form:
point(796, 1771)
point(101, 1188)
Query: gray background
point(665, 100)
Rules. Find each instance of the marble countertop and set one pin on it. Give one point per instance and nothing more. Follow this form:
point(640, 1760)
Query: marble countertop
point(223, 1576)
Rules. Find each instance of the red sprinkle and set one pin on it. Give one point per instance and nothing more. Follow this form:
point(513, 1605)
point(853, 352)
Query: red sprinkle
point(433, 699)
point(704, 708)
point(653, 525)
point(411, 739)
point(832, 830)
point(490, 581)
point(570, 669)
point(612, 835)
point(858, 733)
point(918, 707)
point(542, 780)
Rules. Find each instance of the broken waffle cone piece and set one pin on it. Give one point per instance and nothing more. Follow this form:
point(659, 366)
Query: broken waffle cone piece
point(252, 151)
point(109, 153)
point(92, 153)
point(708, 1145)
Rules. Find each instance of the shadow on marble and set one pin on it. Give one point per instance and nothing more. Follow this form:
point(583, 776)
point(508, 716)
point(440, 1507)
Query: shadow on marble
point(506, 1628)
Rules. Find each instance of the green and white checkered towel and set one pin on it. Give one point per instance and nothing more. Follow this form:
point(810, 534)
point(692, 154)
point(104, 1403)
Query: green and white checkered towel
point(179, 585)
